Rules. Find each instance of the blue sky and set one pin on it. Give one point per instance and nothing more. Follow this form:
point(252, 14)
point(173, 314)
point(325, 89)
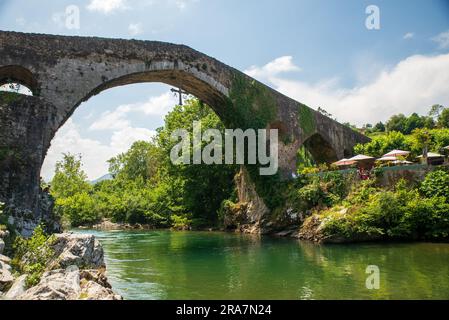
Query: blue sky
point(317, 52)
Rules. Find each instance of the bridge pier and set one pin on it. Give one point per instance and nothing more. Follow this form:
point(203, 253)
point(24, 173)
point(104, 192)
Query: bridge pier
point(24, 139)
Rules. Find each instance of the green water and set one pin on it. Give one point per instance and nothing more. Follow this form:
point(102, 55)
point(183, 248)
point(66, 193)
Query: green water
point(203, 265)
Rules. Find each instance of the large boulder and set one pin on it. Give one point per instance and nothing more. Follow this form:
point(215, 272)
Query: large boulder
point(82, 250)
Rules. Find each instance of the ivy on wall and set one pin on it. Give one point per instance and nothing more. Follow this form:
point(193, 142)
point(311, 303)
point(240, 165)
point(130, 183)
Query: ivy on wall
point(251, 104)
point(306, 120)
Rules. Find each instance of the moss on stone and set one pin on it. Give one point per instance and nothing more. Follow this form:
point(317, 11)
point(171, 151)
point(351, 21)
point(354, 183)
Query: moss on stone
point(9, 97)
point(306, 120)
point(252, 105)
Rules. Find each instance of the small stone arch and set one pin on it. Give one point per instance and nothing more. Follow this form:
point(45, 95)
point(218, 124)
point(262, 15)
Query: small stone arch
point(320, 149)
point(20, 75)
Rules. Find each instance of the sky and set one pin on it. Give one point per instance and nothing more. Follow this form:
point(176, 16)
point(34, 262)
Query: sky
point(320, 53)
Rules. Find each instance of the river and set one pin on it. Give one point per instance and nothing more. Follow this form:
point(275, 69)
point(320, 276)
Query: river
point(213, 265)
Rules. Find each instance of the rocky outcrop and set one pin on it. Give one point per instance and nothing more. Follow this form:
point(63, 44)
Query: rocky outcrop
point(18, 288)
point(82, 250)
point(312, 230)
point(6, 277)
point(69, 284)
point(76, 272)
point(250, 213)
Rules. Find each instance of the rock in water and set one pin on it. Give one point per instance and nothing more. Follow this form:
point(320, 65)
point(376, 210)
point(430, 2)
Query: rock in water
point(2, 246)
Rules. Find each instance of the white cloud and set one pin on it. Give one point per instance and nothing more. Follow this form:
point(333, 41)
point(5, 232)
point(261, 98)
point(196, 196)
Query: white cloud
point(106, 6)
point(112, 120)
point(135, 29)
point(94, 153)
point(442, 39)
point(413, 85)
point(158, 106)
point(273, 68)
point(182, 4)
point(408, 35)
point(123, 139)
point(117, 119)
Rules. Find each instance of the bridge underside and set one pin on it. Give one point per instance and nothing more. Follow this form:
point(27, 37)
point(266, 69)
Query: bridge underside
point(62, 72)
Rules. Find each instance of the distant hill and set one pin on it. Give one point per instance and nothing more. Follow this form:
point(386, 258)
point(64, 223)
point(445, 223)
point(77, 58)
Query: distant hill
point(107, 176)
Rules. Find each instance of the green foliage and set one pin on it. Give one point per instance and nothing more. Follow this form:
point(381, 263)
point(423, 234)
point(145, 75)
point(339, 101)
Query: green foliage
point(252, 105)
point(79, 209)
point(406, 125)
point(399, 213)
point(31, 256)
point(320, 191)
point(69, 178)
point(435, 139)
point(382, 144)
point(9, 97)
point(181, 222)
point(306, 120)
point(436, 183)
point(443, 119)
point(202, 187)
point(147, 187)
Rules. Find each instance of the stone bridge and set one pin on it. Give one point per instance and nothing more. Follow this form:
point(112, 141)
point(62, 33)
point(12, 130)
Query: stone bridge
point(63, 71)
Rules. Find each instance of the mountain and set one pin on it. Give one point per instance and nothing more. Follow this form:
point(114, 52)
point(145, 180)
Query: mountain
point(107, 176)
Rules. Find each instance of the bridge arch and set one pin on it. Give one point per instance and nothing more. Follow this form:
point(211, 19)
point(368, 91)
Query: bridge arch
point(20, 75)
point(321, 149)
point(64, 71)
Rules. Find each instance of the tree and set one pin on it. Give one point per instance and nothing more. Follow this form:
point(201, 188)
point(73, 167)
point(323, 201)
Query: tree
point(413, 122)
point(204, 187)
point(141, 161)
point(379, 127)
point(397, 123)
point(435, 111)
point(443, 119)
point(69, 178)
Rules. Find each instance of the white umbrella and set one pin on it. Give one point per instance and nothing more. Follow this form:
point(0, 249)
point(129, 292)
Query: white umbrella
point(361, 157)
point(344, 162)
point(397, 153)
point(387, 159)
point(432, 155)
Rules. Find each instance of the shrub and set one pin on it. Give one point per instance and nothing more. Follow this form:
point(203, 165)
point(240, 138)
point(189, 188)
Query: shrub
point(398, 213)
point(180, 222)
point(79, 209)
point(436, 183)
point(31, 256)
